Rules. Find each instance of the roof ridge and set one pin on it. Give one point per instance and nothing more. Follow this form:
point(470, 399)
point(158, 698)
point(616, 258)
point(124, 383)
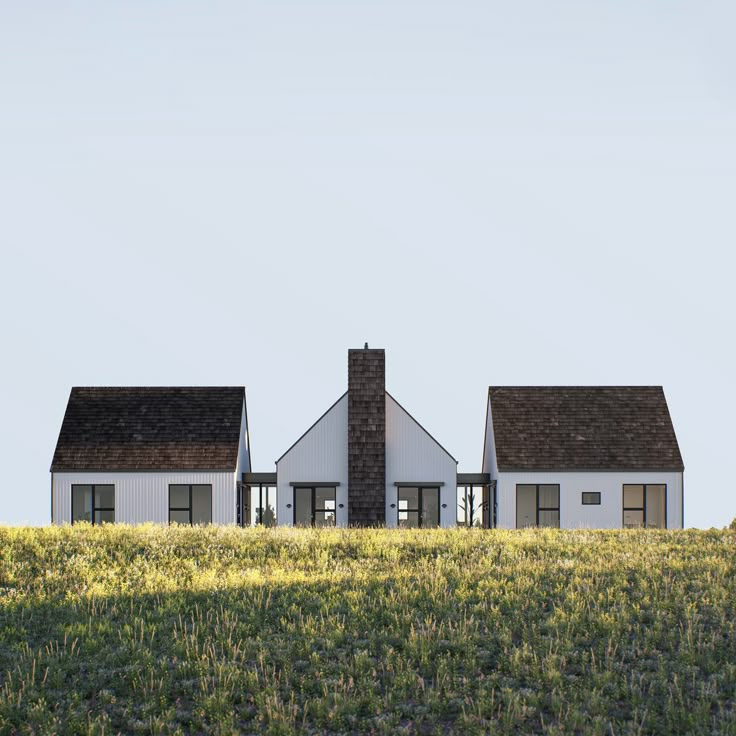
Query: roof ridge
point(580, 386)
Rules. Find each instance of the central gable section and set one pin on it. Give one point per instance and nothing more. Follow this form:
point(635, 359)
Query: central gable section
point(318, 459)
point(410, 449)
point(414, 458)
point(321, 452)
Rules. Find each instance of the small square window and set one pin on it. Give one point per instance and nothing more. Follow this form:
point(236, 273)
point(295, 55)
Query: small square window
point(591, 498)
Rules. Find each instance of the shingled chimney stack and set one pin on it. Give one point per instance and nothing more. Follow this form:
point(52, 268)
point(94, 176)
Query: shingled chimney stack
point(366, 437)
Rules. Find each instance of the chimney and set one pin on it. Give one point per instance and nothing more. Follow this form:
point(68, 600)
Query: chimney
point(366, 437)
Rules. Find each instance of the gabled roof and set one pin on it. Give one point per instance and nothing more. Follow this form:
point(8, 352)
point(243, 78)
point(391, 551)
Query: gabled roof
point(150, 428)
point(312, 426)
point(583, 428)
point(420, 427)
point(344, 396)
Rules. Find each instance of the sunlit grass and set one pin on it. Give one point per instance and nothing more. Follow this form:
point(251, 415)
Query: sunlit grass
point(222, 630)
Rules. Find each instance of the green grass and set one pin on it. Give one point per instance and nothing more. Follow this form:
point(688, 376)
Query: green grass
point(222, 630)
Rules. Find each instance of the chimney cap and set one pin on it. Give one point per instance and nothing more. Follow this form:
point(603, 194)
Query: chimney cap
point(365, 347)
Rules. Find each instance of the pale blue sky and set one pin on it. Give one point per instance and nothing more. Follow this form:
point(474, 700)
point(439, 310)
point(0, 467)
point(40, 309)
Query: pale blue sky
point(497, 193)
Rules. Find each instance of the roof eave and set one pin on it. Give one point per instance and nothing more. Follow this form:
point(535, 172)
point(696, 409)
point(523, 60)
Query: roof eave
point(552, 469)
point(207, 469)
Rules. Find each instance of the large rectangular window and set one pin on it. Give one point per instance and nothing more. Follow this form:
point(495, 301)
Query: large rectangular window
point(537, 505)
point(315, 505)
point(645, 505)
point(93, 503)
point(190, 504)
point(419, 506)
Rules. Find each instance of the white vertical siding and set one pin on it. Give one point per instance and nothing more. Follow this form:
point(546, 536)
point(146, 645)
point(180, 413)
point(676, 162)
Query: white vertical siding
point(573, 515)
point(412, 455)
point(321, 455)
point(489, 446)
point(142, 497)
point(243, 465)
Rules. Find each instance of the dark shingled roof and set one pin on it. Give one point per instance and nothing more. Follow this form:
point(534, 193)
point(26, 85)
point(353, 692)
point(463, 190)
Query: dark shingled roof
point(583, 428)
point(150, 428)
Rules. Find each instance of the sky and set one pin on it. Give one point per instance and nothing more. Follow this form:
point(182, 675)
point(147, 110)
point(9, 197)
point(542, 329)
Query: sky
point(229, 193)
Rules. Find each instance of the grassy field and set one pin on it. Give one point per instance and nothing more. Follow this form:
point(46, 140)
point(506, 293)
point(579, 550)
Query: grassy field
point(214, 630)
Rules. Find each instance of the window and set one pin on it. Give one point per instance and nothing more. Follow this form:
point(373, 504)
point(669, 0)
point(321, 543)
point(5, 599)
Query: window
point(537, 505)
point(93, 503)
point(256, 505)
point(190, 504)
point(645, 505)
point(591, 498)
point(419, 506)
point(472, 505)
point(314, 506)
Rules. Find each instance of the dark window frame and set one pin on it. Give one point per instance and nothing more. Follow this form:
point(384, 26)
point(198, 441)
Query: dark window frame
point(596, 494)
point(541, 508)
point(189, 509)
point(94, 508)
point(313, 503)
point(244, 509)
point(643, 509)
point(420, 499)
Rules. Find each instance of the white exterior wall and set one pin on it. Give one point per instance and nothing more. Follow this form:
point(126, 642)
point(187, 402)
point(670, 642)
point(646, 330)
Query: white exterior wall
point(413, 456)
point(142, 497)
point(244, 464)
point(489, 446)
point(321, 455)
point(573, 515)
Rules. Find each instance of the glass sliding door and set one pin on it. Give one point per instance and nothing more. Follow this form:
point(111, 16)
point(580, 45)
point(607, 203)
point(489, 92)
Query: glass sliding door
point(419, 506)
point(315, 506)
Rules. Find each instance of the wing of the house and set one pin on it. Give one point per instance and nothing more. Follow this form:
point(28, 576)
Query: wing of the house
point(159, 454)
point(583, 456)
point(366, 462)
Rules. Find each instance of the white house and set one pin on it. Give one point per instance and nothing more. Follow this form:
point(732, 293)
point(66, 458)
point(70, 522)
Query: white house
point(569, 457)
point(366, 462)
point(574, 456)
point(150, 454)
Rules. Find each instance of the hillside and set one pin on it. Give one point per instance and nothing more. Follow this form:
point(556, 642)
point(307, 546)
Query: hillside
point(179, 630)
